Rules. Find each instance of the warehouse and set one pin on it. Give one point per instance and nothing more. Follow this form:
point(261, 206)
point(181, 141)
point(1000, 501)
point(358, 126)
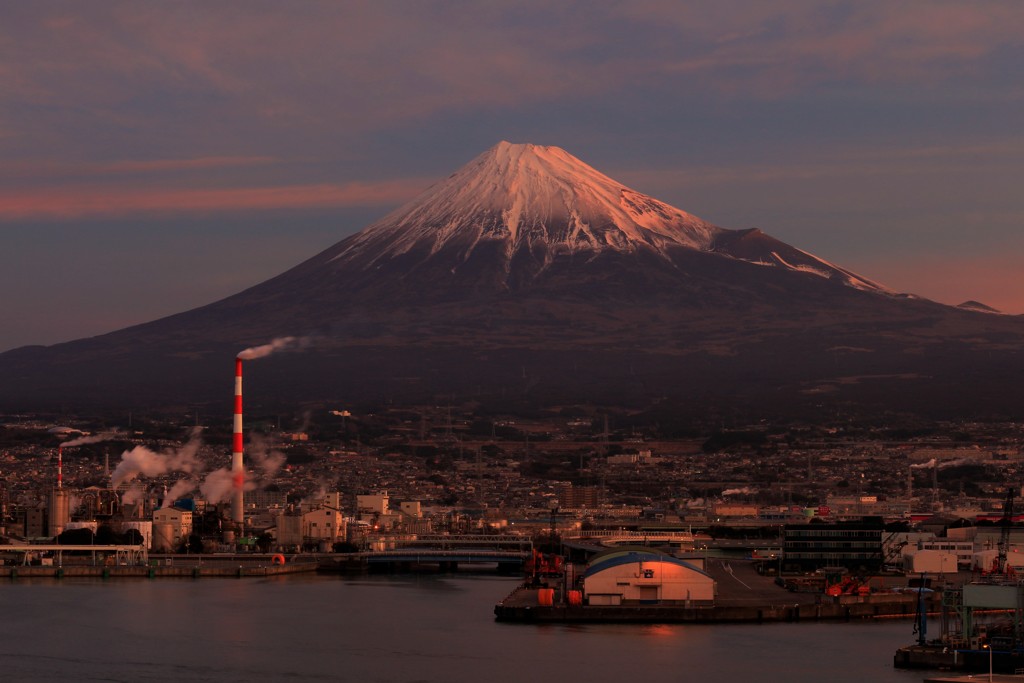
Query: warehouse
point(641, 576)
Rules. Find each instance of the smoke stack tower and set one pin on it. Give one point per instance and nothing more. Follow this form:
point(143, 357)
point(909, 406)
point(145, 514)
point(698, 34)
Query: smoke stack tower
point(237, 464)
point(59, 512)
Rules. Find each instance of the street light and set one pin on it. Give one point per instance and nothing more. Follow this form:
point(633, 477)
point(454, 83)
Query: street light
point(988, 647)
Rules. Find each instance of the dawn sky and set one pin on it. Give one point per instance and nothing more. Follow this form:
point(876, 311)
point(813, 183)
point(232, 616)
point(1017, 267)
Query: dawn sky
point(155, 157)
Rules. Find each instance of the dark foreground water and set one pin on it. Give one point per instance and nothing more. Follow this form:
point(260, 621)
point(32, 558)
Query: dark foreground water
point(393, 629)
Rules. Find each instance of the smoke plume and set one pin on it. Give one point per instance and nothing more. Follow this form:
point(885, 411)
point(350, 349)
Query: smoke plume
point(82, 440)
point(218, 485)
point(180, 488)
point(279, 344)
point(262, 454)
point(141, 460)
point(321, 493)
point(133, 495)
point(745, 491)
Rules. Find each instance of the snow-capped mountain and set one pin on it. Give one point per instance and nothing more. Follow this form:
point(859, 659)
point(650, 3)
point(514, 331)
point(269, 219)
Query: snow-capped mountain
point(524, 206)
point(533, 199)
point(529, 274)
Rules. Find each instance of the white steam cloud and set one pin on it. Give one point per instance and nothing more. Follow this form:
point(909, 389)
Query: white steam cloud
point(262, 454)
point(279, 344)
point(314, 499)
point(745, 491)
point(133, 495)
point(180, 488)
point(82, 440)
point(944, 464)
point(141, 460)
point(219, 485)
point(957, 463)
point(216, 487)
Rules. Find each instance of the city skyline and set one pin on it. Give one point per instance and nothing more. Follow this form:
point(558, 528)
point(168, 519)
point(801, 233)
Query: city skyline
point(157, 158)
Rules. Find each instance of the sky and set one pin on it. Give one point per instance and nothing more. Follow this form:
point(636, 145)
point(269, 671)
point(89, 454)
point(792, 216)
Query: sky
point(155, 157)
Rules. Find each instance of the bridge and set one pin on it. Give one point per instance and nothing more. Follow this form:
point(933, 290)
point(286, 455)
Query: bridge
point(465, 541)
point(621, 536)
point(447, 559)
point(507, 553)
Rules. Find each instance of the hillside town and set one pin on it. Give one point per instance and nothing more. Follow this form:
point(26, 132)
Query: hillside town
point(334, 481)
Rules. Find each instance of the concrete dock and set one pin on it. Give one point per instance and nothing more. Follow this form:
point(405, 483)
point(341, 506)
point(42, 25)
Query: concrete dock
point(743, 596)
point(165, 567)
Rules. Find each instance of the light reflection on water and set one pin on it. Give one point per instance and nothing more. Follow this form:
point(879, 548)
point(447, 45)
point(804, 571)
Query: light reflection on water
point(403, 629)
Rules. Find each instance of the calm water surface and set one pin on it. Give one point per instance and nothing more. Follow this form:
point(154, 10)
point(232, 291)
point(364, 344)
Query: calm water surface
point(405, 629)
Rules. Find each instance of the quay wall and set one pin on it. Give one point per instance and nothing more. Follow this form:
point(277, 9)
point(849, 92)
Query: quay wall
point(152, 572)
point(519, 607)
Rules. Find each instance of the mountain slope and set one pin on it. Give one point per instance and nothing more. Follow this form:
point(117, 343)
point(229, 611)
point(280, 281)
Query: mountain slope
point(527, 271)
point(523, 206)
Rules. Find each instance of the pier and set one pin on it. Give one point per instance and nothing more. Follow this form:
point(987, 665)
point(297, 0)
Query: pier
point(744, 596)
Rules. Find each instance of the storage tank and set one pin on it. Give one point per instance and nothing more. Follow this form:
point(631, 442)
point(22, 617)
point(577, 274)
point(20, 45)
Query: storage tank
point(59, 511)
point(546, 597)
point(163, 537)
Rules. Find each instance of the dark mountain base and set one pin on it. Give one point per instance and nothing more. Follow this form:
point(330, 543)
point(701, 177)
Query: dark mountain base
point(787, 380)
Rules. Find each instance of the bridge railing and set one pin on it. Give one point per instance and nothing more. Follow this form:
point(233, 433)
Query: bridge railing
point(441, 542)
point(638, 535)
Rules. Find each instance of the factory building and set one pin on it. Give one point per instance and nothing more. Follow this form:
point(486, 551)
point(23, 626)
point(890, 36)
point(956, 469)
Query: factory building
point(324, 524)
point(643, 576)
point(171, 527)
point(371, 504)
point(856, 545)
point(320, 525)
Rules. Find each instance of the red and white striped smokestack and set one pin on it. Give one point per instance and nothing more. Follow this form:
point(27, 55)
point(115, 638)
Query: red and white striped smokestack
point(60, 467)
point(237, 463)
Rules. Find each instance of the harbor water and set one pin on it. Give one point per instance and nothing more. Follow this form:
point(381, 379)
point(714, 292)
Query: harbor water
point(397, 628)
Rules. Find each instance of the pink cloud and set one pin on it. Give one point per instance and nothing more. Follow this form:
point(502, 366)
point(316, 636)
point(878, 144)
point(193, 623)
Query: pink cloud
point(23, 170)
point(182, 164)
point(77, 202)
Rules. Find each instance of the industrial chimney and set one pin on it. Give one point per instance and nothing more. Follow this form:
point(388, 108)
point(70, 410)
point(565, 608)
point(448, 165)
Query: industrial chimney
point(237, 464)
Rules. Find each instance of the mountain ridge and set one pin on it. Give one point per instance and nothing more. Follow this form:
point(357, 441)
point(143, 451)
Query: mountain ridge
point(530, 202)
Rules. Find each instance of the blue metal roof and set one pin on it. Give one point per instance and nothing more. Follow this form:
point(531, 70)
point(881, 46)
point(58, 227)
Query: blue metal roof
point(631, 557)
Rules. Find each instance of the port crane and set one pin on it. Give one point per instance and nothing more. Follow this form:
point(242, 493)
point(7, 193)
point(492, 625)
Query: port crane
point(547, 565)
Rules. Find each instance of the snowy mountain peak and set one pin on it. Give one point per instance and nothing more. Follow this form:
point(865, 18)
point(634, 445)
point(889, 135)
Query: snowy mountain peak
point(527, 196)
point(518, 208)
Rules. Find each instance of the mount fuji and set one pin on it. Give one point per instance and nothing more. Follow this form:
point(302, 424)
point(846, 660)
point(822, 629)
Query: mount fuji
point(527, 275)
